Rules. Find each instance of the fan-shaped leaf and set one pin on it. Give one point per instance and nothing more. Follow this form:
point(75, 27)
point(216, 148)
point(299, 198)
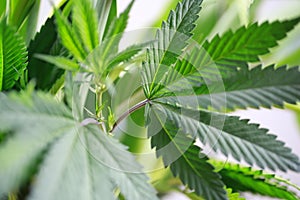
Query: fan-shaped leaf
point(13, 56)
point(85, 23)
point(74, 152)
point(171, 39)
point(246, 179)
point(69, 38)
point(247, 88)
point(234, 49)
point(232, 136)
point(184, 158)
point(59, 61)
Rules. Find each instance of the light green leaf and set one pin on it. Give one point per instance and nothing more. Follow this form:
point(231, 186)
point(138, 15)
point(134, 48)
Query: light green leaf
point(184, 158)
point(111, 16)
point(69, 38)
point(46, 138)
point(115, 32)
point(171, 39)
point(59, 61)
point(85, 23)
point(232, 136)
point(126, 54)
point(19, 11)
point(13, 56)
point(233, 196)
point(101, 59)
point(233, 49)
point(246, 179)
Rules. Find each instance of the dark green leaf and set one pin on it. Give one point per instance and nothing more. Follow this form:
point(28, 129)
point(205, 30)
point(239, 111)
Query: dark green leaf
point(247, 88)
point(184, 158)
point(45, 42)
point(233, 136)
point(256, 181)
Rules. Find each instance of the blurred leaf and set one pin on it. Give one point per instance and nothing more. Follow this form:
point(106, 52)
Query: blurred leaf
point(232, 50)
point(69, 38)
point(233, 196)
point(256, 181)
point(13, 56)
point(61, 62)
point(85, 23)
point(2, 9)
point(76, 152)
point(45, 42)
point(19, 11)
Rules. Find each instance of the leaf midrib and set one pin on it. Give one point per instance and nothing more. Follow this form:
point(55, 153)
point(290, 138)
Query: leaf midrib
point(182, 153)
point(228, 134)
point(169, 44)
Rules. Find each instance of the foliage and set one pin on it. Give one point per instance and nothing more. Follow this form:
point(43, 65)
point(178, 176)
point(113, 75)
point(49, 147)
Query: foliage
point(59, 138)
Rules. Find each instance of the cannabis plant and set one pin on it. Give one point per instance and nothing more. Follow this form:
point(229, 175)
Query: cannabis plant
point(60, 120)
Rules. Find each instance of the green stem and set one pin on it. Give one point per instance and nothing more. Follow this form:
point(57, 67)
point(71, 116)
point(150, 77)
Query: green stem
point(128, 112)
point(100, 89)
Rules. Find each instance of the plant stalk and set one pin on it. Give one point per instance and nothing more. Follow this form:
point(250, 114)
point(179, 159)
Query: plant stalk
point(99, 92)
point(128, 112)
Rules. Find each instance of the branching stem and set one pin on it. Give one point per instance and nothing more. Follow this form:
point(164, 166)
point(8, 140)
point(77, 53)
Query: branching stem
point(128, 112)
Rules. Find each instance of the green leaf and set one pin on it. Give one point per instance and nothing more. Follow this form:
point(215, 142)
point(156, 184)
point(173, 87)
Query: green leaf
point(184, 158)
point(172, 38)
point(233, 49)
point(2, 8)
point(119, 24)
point(126, 55)
point(45, 42)
point(85, 23)
point(13, 56)
point(111, 16)
point(45, 132)
point(254, 88)
point(233, 196)
point(246, 179)
point(104, 14)
point(59, 61)
point(115, 32)
point(101, 59)
point(19, 11)
point(69, 38)
point(232, 136)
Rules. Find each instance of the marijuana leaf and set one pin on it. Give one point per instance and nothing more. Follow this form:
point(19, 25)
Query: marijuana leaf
point(256, 181)
point(171, 39)
point(258, 87)
point(13, 56)
point(234, 49)
point(184, 158)
point(45, 137)
point(231, 136)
